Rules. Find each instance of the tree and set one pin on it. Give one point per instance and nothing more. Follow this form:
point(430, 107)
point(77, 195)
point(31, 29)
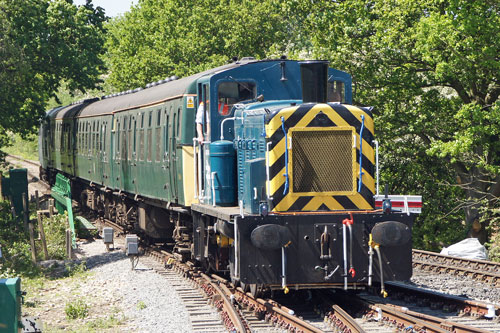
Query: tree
point(42, 43)
point(160, 38)
point(431, 68)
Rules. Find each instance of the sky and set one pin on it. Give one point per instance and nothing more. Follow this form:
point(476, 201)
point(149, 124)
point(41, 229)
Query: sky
point(111, 7)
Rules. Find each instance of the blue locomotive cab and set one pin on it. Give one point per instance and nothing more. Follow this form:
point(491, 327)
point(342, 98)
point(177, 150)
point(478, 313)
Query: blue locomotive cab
point(239, 98)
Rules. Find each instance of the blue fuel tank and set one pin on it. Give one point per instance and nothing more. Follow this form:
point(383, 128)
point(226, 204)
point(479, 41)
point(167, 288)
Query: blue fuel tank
point(223, 163)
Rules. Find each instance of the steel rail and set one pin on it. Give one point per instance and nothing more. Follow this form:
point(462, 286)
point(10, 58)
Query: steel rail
point(465, 306)
point(35, 163)
point(230, 315)
point(275, 313)
point(448, 325)
point(403, 321)
point(477, 264)
point(342, 321)
point(488, 277)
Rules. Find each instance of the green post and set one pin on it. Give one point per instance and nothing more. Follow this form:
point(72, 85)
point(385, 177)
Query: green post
point(10, 305)
point(61, 192)
point(18, 188)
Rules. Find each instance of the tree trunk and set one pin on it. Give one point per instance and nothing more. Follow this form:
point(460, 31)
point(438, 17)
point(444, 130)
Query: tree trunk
point(478, 188)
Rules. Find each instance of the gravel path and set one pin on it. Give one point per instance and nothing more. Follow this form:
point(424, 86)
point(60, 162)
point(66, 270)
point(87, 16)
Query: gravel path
point(148, 301)
point(118, 298)
point(457, 285)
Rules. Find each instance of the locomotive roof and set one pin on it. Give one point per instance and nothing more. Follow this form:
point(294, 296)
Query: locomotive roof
point(152, 95)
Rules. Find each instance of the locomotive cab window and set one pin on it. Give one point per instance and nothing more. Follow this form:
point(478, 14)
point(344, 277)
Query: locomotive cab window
point(336, 91)
point(230, 93)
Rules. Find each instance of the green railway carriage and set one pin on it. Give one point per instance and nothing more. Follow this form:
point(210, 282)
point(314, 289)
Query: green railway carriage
point(285, 168)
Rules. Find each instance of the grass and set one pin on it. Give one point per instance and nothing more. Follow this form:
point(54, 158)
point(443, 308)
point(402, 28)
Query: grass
point(76, 309)
point(141, 305)
point(25, 148)
point(101, 324)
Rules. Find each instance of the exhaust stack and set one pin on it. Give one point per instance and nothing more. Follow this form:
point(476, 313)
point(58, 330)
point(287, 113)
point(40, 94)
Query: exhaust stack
point(314, 77)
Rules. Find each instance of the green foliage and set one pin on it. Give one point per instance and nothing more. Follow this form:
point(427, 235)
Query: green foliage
point(162, 38)
point(55, 234)
point(141, 305)
point(491, 216)
point(100, 324)
point(431, 70)
point(42, 43)
point(26, 148)
point(77, 270)
point(15, 246)
point(76, 309)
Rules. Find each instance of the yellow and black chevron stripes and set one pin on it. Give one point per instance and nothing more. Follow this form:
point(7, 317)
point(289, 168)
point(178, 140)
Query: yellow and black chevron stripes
point(321, 118)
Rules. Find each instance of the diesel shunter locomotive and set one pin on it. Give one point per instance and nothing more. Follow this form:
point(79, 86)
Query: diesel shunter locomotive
point(281, 193)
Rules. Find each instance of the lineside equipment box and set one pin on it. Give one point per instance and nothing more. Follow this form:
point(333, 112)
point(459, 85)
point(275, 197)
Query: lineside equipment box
point(132, 244)
point(107, 235)
point(10, 305)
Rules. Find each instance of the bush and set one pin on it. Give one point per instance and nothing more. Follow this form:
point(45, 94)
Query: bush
point(27, 148)
point(76, 309)
point(55, 235)
point(16, 248)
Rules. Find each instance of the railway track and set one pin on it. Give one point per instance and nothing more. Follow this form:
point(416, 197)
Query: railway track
point(30, 166)
point(485, 271)
point(215, 305)
point(408, 308)
point(19, 158)
point(239, 311)
point(411, 306)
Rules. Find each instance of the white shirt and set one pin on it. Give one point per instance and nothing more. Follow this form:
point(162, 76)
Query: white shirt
point(199, 115)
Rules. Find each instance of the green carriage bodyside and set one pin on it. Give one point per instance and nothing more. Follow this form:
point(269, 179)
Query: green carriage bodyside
point(139, 150)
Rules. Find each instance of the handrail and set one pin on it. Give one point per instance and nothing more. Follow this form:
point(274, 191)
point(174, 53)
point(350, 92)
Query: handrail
point(222, 126)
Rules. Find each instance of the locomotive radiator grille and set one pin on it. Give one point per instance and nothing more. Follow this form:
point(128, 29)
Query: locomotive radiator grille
point(322, 161)
point(317, 166)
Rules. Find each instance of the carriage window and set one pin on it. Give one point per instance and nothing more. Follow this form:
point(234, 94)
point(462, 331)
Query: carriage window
point(230, 93)
point(124, 139)
point(178, 121)
point(69, 137)
point(88, 137)
point(141, 144)
point(131, 138)
point(117, 140)
point(158, 136)
point(336, 91)
point(166, 138)
point(150, 144)
point(105, 125)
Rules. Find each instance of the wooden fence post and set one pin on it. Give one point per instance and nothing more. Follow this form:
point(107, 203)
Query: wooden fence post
point(29, 226)
point(51, 207)
point(42, 235)
point(37, 200)
point(26, 212)
point(69, 248)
